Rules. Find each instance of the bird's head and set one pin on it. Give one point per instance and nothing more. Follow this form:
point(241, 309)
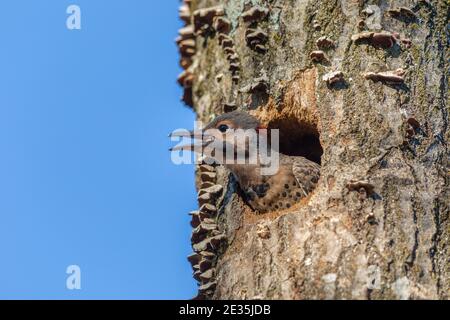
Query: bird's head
point(228, 130)
point(233, 121)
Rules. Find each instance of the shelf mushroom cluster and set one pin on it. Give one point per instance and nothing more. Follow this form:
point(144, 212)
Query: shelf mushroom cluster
point(213, 20)
point(204, 19)
point(223, 28)
point(255, 37)
point(206, 237)
point(379, 39)
point(187, 46)
point(384, 40)
point(323, 43)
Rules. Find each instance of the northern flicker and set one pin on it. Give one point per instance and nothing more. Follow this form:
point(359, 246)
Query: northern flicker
point(293, 180)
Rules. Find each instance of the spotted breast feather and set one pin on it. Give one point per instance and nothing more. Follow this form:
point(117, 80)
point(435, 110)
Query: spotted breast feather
point(295, 179)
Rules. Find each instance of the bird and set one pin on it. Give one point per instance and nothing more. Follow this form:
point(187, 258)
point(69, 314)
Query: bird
point(294, 178)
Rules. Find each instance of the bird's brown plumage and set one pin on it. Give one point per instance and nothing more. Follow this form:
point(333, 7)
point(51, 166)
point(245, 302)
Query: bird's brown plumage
point(294, 180)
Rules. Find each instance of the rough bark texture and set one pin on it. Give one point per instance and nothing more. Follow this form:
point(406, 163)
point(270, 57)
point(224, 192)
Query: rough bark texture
point(377, 226)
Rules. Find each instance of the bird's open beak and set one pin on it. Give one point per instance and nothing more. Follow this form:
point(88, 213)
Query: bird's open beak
point(196, 134)
point(193, 146)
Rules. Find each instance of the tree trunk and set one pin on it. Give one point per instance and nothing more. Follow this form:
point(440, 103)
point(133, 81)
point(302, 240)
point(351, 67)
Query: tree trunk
point(366, 82)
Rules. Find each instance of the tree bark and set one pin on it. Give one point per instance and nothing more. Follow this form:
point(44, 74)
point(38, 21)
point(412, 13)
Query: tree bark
point(369, 81)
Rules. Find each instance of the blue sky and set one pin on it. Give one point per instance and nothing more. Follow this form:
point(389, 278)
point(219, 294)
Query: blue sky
point(85, 175)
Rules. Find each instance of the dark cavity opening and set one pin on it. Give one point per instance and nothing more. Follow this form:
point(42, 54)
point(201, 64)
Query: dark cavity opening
point(298, 138)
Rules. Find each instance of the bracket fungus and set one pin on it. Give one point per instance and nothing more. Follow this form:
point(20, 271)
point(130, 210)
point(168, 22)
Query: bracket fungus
point(229, 107)
point(382, 39)
point(234, 67)
point(229, 51)
point(209, 244)
point(214, 190)
point(317, 56)
point(195, 220)
point(205, 264)
point(233, 58)
point(203, 18)
point(208, 255)
point(325, 43)
point(185, 13)
point(210, 286)
point(207, 225)
point(186, 32)
point(206, 236)
point(208, 210)
point(225, 41)
point(207, 275)
point(222, 25)
point(333, 77)
point(186, 79)
point(201, 231)
point(194, 258)
point(204, 198)
point(206, 168)
point(260, 48)
point(205, 185)
point(196, 275)
point(208, 177)
point(204, 216)
point(187, 97)
point(254, 14)
point(186, 44)
point(185, 62)
point(187, 47)
point(389, 77)
point(256, 39)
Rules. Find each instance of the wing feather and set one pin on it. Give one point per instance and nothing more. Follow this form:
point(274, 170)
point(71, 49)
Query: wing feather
point(306, 173)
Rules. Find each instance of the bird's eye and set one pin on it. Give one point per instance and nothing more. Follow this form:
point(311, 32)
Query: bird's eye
point(223, 128)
